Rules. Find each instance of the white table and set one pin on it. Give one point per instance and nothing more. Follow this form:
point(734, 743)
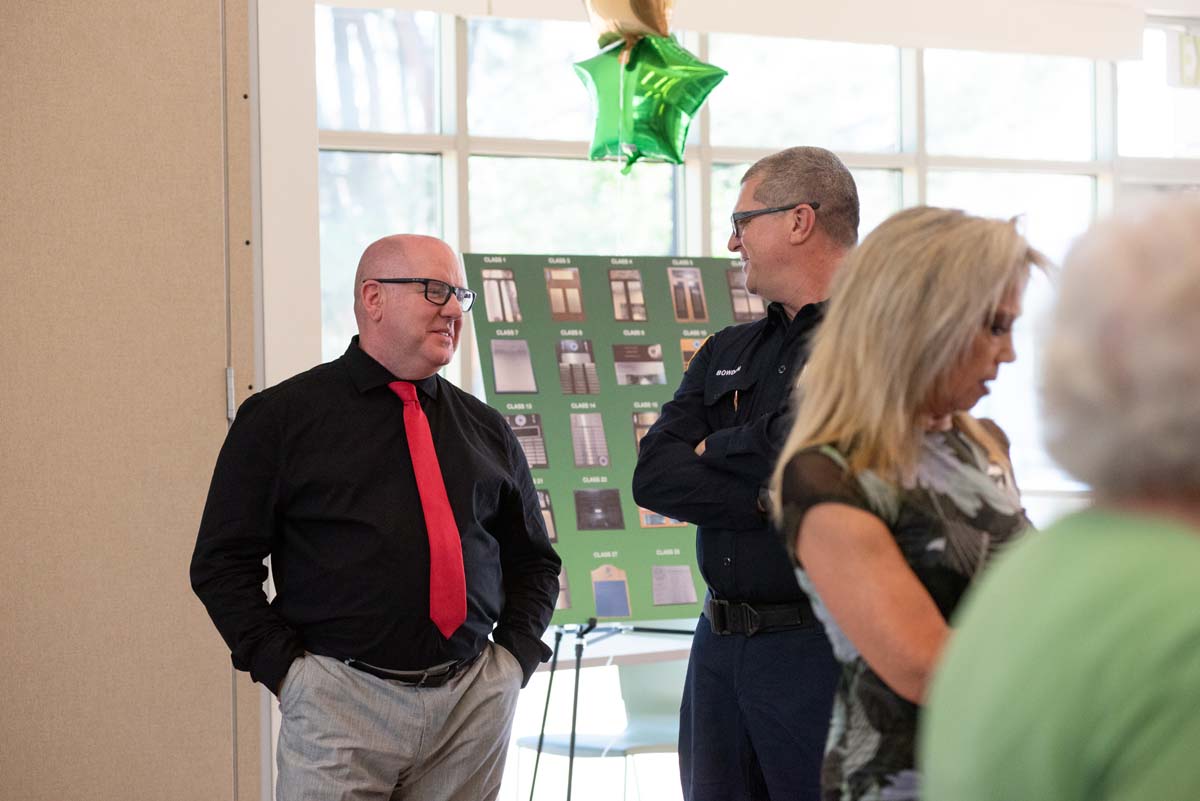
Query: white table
point(626, 648)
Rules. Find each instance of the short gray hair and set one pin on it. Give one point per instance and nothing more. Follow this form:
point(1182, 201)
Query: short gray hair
point(811, 174)
point(1121, 374)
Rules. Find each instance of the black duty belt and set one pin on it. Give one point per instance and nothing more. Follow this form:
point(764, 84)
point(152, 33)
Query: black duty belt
point(435, 676)
point(739, 617)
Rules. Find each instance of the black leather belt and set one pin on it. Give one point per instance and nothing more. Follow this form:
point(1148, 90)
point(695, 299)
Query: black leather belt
point(435, 676)
point(739, 617)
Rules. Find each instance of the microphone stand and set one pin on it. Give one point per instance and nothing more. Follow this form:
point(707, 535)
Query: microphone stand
point(558, 635)
point(580, 635)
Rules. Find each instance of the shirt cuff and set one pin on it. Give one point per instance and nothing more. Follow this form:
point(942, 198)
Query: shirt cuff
point(529, 651)
point(270, 667)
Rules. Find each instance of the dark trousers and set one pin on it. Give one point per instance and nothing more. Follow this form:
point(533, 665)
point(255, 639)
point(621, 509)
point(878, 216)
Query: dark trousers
point(755, 715)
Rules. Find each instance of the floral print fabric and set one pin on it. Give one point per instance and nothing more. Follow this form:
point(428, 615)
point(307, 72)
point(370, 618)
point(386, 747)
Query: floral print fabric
point(948, 521)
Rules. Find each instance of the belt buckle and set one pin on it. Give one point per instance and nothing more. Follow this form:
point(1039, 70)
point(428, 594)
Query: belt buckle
point(432, 678)
point(753, 621)
point(741, 618)
point(718, 615)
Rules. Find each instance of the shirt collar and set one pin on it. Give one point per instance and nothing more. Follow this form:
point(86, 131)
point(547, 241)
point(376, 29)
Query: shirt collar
point(808, 315)
point(368, 374)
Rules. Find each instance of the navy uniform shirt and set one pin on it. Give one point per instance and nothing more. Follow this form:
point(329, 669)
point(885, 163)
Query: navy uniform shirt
point(734, 397)
point(316, 473)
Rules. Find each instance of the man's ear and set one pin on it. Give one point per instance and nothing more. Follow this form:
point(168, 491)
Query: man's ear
point(371, 297)
point(804, 224)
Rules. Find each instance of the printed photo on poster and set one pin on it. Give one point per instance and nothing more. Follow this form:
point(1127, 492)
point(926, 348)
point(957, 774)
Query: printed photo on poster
point(687, 294)
point(566, 293)
point(547, 514)
point(629, 304)
point(564, 591)
point(598, 510)
point(500, 296)
point(577, 367)
point(688, 348)
point(672, 584)
point(641, 424)
point(638, 365)
point(528, 428)
point(746, 307)
point(587, 439)
point(648, 519)
point(512, 368)
point(611, 591)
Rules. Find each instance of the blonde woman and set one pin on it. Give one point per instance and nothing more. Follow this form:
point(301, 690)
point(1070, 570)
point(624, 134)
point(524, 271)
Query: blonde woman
point(1074, 672)
point(890, 496)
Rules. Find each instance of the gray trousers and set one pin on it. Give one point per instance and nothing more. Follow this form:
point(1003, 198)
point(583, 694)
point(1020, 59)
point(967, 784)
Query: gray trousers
point(349, 736)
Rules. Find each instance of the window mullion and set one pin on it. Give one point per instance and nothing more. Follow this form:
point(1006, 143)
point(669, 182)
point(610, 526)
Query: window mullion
point(1106, 134)
point(455, 177)
point(700, 173)
point(920, 175)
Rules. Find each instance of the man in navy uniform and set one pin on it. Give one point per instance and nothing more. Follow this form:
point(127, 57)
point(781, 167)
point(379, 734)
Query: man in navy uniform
point(761, 677)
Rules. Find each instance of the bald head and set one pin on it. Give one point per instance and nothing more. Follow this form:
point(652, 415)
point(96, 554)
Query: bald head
point(398, 256)
point(397, 325)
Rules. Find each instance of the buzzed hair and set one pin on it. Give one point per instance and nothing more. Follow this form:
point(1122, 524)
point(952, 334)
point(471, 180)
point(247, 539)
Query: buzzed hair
point(808, 175)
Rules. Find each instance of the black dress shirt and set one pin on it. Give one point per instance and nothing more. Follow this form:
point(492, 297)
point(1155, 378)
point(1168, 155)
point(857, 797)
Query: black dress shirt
point(316, 473)
point(735, 398)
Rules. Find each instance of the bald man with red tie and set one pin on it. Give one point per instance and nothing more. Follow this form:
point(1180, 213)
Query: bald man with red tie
point(403, 527)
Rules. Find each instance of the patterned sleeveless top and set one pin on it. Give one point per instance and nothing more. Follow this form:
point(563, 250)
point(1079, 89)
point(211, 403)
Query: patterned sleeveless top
point(960, 508)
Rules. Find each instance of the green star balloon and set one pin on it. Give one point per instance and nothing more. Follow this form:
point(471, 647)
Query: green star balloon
point(645, 102)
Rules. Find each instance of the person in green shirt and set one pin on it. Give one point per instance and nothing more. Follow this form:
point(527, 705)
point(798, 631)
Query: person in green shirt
point(1073, 672)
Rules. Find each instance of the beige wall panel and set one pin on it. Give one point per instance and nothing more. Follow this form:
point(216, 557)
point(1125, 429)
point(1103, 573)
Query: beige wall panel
point(113, 402)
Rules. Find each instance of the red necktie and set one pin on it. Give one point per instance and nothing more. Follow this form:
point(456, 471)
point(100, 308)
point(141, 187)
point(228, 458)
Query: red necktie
point(447, 584)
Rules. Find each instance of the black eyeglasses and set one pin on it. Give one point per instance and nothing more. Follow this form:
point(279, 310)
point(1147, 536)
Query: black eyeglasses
point(436, 292)
point(739, 218)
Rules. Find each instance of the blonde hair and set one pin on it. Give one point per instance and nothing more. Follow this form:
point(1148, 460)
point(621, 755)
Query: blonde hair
point(905, 307)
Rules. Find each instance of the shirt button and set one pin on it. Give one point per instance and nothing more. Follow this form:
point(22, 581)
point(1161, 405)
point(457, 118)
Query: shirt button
point(727, 561)
point(782, 369)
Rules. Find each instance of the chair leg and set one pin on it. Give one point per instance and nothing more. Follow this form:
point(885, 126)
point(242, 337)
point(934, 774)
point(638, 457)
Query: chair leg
point(517, 789)
point(625, 781)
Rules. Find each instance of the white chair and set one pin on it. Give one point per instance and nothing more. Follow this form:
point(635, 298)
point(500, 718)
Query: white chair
point(651, 692)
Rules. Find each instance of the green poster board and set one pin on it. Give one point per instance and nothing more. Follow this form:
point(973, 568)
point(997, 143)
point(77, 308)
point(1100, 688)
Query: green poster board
point(580, 353)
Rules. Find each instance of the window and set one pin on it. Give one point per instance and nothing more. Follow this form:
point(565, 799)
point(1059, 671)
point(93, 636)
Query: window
point(1003, 105)
point(359, 204)
point(782, 92)
point(520, 82)
point(377, 70)
point(532, 205)
point(1053, 210)
point(1155, 119)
